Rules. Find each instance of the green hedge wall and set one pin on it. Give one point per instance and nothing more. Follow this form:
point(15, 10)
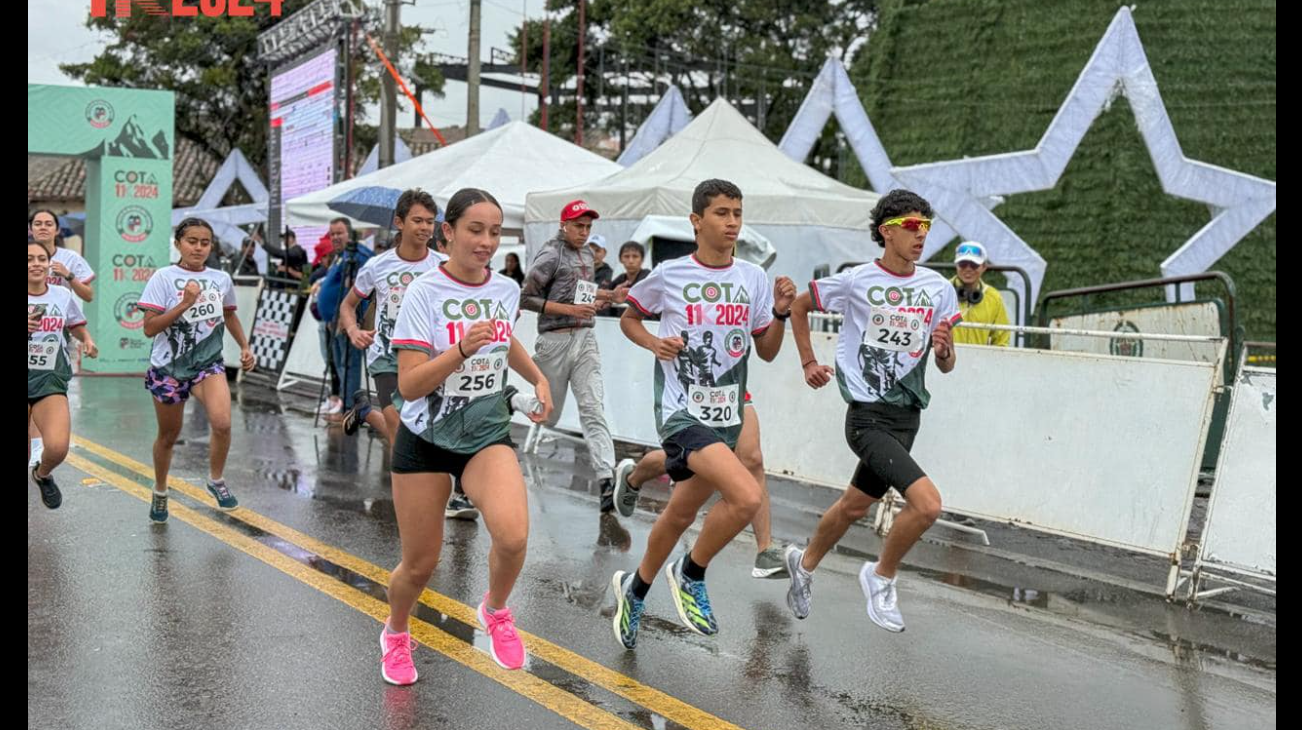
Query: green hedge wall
point(947, 79)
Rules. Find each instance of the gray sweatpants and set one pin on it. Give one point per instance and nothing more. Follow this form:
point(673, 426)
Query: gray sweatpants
point(571, 361)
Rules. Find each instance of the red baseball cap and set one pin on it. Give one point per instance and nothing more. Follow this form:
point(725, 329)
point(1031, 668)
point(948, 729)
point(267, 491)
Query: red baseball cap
point(323, 248)
point(576, 209)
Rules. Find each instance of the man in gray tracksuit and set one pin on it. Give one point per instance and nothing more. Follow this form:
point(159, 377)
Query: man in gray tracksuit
point(561, 287)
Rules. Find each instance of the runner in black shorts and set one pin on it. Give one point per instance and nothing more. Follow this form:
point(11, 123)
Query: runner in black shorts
point(454, 343)
point(700, 415)
point(896, 316)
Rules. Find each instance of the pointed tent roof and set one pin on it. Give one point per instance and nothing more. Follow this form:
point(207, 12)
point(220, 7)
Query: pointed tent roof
point(720, 143)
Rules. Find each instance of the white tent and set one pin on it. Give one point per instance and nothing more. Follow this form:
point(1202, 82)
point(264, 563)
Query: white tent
point(508, 162)
point(810, 218)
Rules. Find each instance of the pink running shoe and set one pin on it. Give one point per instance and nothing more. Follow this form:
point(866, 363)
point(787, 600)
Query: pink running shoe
point(505, 645)
point(397, 668)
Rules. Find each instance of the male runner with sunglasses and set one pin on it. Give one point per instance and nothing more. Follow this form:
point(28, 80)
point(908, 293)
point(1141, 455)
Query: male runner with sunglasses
point(896, 315)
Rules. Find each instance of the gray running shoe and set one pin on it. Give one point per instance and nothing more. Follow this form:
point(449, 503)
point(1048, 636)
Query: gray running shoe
point(769, 564)
point(883, 603)
point(625, 493)
point(801, 583)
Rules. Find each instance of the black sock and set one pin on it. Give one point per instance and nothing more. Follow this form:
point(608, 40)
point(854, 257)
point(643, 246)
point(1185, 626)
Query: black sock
point(640, 587)
point(691, 570)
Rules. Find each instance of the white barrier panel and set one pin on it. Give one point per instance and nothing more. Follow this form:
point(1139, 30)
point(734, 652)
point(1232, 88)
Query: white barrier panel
point(629, 374)
point(1189, 318)
point(246, 300)
point(1091, 446)
point(1240, 530)
point(1096, 447)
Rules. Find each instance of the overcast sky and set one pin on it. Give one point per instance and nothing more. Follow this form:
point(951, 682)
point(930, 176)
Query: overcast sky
point(53, 37)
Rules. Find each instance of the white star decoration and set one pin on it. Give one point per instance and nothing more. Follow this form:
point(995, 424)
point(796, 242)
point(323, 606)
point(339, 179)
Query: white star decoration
point(832, 93)
point(1238, 201)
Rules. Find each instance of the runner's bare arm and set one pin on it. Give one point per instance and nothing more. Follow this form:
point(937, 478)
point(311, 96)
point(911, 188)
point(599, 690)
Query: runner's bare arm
point(519, 360)
point(157, 322)
point(81, 333)
point(360, 338)
point(83, 290)
point(942, 340)
point(419, 374)
point(631, 324)
point(816, 375)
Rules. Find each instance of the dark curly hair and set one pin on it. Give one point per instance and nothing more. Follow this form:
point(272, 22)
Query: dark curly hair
point(895, 204)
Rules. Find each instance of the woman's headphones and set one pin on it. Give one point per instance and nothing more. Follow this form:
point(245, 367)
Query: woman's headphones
point(970, 296)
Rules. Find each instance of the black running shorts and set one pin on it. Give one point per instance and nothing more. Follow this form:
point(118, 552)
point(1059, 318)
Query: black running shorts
point(881, 436)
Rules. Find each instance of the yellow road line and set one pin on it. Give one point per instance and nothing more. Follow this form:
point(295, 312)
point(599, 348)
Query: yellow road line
point(669, 707)
point(540, 691)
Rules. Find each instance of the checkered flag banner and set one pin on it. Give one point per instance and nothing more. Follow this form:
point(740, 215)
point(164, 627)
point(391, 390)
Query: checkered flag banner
point(273, 328)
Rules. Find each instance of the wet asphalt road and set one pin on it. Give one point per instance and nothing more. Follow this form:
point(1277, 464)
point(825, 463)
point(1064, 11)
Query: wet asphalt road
point(269, 617)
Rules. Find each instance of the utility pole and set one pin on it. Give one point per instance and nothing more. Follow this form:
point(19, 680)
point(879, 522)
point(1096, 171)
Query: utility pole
point(524, 56)
point(544, 88)
point(578, 103)
point(472, 73)
point(623, 107)
point(389, 99)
